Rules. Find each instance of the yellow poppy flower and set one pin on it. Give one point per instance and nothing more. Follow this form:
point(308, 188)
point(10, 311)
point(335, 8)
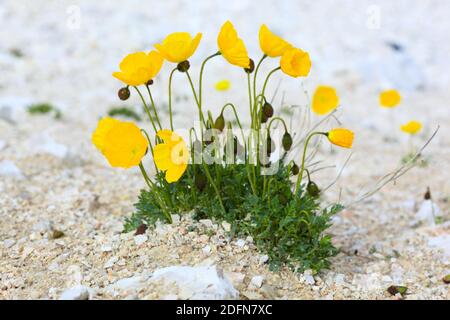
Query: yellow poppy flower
point(325, 99)
point(178, 46)
point(390, 98)
point(341, 137)
point(411, 127)
point(121, 142)
point(271, 44)
point(232, 47)
point(171, 156)
point(138, 68)
point(295, 63)
point(223, 85)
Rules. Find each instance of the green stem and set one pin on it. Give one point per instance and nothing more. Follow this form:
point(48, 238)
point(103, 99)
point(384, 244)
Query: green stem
point(200, 81)
point(254, 77)
point(300, 175)
point(208, 175)
point(146, 109)
point(279, 119)
point(170, 98)
point(154, 107)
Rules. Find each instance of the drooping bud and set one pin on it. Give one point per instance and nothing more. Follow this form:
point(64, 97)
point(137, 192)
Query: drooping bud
point(313, 189)
point(124, 93)
point(183, 66)
point(270, 145)
point(267, 110)
point(263, 118)
point(219, 124)
point(295, 169)
point(427, 195)
point(149, 82)
point(200, 181)
point(251, 67)
point(287, 141)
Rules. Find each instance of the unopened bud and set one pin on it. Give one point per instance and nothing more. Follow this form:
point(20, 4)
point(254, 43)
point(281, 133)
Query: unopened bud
point(149, 82)
point(313, 189)
point(251, 67)
point(267, 110)
point(295, 169)
point(219, 124)
point(183, 66)
point(287, 141)
point(124, 93)
point(263, 118)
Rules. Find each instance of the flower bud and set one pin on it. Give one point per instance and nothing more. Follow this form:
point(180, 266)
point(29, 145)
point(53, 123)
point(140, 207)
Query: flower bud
point(183, 66)
point(200, 181)
point(313, 189)
point(251, 67)
point(270, 145)
point(295, 169)
point(267, 110)
point(124, 93)
point(219, 124)
point(287, 141)
point(149, 82)
point(263, 118)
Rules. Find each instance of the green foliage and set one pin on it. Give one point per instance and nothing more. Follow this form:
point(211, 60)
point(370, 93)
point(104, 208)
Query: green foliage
point(289, 228)
point(419, 160)
point(124, 112)
point(44, 108)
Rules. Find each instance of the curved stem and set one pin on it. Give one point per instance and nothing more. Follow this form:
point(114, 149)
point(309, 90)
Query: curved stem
point(300, 175)
point(237, 119)
point(170, 98)
point(201, 75)
point(154, 107)
point(267, 79)
point(279, 119)
point(256, 73)
point(146, 109)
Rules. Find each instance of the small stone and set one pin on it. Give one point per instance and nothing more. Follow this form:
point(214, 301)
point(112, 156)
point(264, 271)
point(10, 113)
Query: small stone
point(236, 278)
point(8, 243)
point(249, 239)
point(226, 226)
point(106, 248)
point(76, 293)
point(240, 243)
point(9, 169)
point(257, 281)
point(140, 239)
point(110, 262)
point(141, 229)
point(339, 280)
point(207, 223)
point(176, 219)
point(263, 259)
point(43, 226)
point(206, 250)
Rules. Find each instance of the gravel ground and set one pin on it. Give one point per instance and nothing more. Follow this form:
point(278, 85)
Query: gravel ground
point(62, 208)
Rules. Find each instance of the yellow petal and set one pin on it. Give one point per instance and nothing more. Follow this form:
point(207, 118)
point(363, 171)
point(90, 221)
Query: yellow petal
point(341, 137)
point(157, 61)
point(223, 85)
point(271, 44)
point(325, 100)
point(390, 98)
point(295, 63)
point(161, 156)
point(227, 37)
point(174, 173)
point(412, 127)
point(178, 46)
point(237, 55)
point(99, 135)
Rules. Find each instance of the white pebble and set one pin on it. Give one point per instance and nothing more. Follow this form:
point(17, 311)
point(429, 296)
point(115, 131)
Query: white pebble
point(240, 243)
point(75, 293)
point(9, 169)
point(226, 226)
point(140, 239)
point(257, 281)
point(8, 243)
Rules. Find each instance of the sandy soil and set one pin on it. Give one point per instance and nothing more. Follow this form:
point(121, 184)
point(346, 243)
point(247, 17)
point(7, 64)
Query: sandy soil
point(61, 183)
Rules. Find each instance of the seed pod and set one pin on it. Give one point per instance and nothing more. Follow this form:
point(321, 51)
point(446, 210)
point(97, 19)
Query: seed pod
point(200, 181)
point(287, 141)
point(124, 93)
point(270, 145)
point(313, 189)
point(393, 290)
point(263, 118)
point(251, 67)
point(183, 66)
point(295, 169)
point(219, 124)
point(427, 195)
point(149, 82)
point(267, 110)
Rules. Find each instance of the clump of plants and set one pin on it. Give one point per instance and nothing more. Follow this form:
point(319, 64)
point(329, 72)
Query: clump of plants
point(44, 108)
point(125, 112)
point(257, 177)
